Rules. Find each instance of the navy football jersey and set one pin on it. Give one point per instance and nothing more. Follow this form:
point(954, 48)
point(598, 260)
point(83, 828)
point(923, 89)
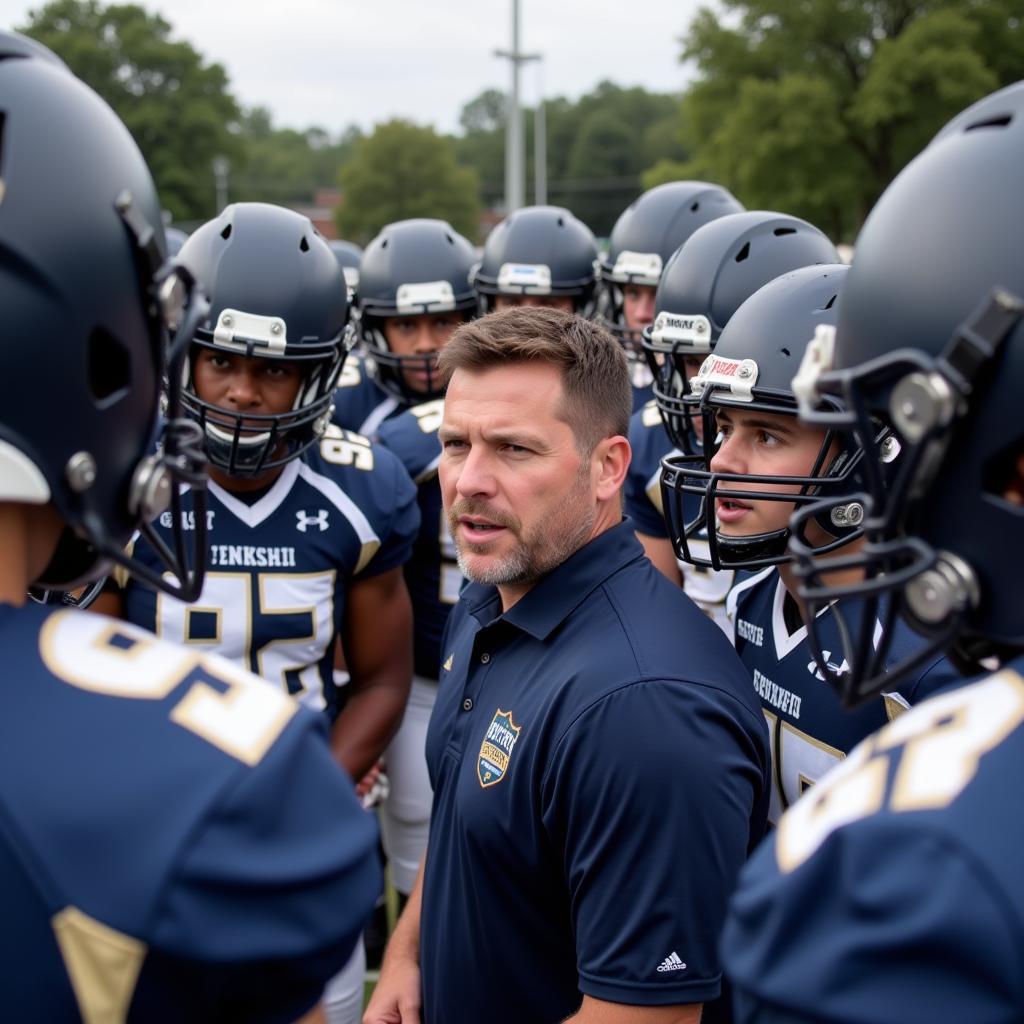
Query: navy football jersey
point(642, 502)
point(893, 890)
point(279, 570)
point(176, 841)
point(432, 573)
point(642, 381)
point(360, 403)
point(810, 729)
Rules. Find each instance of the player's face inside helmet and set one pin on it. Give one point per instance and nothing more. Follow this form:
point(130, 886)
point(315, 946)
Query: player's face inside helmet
point(763, 444)
point(247, 387)
point(691, 367)
point(638, 306)
point(423, 335)
point(563, 302)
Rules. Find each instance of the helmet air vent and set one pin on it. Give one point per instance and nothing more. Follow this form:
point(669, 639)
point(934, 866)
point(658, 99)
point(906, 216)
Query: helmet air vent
point(108, 368)
point(226, 233)
point(779, 232)
point(304, 244)
point(743, 253)
point(1001, 121)
point(694, 207)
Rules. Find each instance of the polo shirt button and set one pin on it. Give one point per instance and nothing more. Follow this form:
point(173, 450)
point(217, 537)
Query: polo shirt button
point(484, 658)
point(467, 704)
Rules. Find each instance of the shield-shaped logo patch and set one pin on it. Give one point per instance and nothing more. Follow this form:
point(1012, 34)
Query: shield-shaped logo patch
point(496, 748)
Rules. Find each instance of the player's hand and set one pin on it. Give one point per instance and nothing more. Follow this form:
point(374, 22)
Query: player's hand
point(396, 999)
point(373, 787)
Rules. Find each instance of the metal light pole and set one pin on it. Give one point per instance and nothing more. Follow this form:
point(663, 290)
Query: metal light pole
point(515, 186)
point(221, 166)
point(540, 147)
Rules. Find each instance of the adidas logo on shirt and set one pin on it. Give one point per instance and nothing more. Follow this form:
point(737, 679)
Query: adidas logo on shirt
point(672, 963)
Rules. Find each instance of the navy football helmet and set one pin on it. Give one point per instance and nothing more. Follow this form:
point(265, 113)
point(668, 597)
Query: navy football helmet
point(276, 292)
point(412, 267)
point(752, 369)
point(87, 301)
point(646, 234)
point(176, 238)
point(349, 256)
point(539, 250)
point(720, 266)
point(930, 336)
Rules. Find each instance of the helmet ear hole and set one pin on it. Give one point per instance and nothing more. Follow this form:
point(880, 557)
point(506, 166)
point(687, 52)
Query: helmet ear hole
point(109, 367)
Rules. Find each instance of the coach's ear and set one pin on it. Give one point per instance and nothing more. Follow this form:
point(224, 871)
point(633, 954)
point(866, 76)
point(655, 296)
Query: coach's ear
point(608, 464)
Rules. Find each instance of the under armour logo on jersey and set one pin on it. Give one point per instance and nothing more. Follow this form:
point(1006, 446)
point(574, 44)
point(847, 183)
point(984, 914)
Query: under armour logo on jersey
point(834, 669)
point(305, 521)
point(671, 963)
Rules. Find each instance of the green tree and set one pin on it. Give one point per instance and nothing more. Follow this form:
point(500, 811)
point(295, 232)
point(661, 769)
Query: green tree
point(596, 147)
point(285, 165)
point(482, 144)
point(176, 106)
point(601, 165)
point(403, 170)
point(813, 106)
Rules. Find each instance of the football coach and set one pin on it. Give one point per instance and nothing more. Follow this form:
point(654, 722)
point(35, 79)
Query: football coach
point(598, 756)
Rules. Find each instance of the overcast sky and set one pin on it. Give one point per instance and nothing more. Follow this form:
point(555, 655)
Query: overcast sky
point(337, 62)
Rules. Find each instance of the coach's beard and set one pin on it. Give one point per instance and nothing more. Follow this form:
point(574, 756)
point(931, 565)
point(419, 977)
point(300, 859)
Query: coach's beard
point(533, 556)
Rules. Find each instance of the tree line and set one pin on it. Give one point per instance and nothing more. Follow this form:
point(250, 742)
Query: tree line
point(809, 106)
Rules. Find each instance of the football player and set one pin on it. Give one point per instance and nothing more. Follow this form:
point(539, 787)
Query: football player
point(414, 290)
point(539, 256)
point(308, 525)
point(706, 279)
point(744, 485)
point(893, 890)
point(177, 842)
point(643, 238)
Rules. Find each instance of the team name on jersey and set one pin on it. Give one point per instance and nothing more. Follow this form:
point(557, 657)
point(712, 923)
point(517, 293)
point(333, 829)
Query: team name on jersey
point(249, 554)
point(785, 700)
point(749, 632)
point(188, 519)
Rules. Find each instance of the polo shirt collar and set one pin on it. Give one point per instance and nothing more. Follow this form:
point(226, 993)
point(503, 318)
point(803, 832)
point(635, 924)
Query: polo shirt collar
point(550, 602)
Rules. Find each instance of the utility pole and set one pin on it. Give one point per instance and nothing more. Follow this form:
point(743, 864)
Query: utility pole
point(221, 166)
point(540, 149)
point(515, 184)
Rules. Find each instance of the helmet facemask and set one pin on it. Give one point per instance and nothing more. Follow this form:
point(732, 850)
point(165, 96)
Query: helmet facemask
point(246, 444)
point(899, 573)
point(690, 479)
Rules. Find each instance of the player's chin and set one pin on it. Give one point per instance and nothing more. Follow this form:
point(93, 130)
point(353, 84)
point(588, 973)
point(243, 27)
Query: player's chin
point(420, 383)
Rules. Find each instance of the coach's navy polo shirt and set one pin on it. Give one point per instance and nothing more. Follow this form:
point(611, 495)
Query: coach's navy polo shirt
point(600, 768)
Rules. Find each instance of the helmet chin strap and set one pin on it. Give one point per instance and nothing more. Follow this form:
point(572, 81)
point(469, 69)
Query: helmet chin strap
point(756, 546)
